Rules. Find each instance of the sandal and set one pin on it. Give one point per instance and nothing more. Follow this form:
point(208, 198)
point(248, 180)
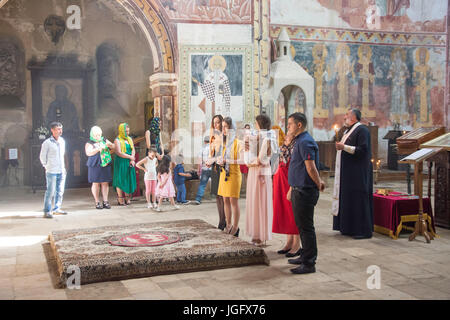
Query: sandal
point(98, 205)
point(119, 203)
point(127, 201)
point(106, 205)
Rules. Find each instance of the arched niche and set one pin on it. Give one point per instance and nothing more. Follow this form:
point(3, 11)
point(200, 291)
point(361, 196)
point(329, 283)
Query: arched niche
point(291, 99)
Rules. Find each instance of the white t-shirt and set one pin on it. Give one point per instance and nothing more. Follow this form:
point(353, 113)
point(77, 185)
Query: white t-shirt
point(150, 166)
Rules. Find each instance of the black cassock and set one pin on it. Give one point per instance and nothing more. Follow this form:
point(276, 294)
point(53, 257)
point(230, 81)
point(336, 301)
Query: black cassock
point(355, 217)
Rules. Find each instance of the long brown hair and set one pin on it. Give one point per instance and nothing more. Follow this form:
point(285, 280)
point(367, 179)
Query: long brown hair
point(264, 123)
point(211, 133)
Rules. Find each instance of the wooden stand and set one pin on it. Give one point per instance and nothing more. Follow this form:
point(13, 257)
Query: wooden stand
point(417, 159)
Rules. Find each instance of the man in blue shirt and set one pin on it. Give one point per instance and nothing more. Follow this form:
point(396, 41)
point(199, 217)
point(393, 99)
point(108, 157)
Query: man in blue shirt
point(305, 183)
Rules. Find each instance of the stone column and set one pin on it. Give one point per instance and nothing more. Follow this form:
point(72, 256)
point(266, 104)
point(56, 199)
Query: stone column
point(164, 92)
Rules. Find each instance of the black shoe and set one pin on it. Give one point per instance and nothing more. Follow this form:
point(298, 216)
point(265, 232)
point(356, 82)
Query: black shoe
point(361, 237)
point(106, 205)
point(302, 269)
point(283, 251)
point(98, 205)
point(295, 261)
point(297, 253)
point(237, 233)
point(221, 227)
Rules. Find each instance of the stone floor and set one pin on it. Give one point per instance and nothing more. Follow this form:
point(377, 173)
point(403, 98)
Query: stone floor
point(409, 270)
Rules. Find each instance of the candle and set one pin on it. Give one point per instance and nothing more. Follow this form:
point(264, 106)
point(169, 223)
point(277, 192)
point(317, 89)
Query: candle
point(336, 130)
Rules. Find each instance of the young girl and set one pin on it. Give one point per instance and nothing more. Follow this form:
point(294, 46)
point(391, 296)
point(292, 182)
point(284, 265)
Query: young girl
point(150, 162)
point(164, 187)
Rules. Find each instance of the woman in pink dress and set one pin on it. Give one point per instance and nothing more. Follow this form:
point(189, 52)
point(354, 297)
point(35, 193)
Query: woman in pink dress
point(259, 183)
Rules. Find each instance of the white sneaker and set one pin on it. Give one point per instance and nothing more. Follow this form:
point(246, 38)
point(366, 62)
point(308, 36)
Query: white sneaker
point(154, 205)
point(149, 206)
point(158, 209)
point(176, 207)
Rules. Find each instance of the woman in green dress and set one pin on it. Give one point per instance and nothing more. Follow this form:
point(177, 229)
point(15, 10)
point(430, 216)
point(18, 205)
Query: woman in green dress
point(124, 179)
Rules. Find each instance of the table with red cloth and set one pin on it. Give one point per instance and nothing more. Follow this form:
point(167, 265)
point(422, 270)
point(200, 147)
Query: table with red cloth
point(397, 211)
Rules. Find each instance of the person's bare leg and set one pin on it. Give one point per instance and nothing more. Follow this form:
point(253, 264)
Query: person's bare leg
point(227, 209)
point(105, 191)
point(221, 210)
point(120, 196)
point(296, 242)
point(95, 190)
point(236, 213)
point(127, 198)
point(289, 241)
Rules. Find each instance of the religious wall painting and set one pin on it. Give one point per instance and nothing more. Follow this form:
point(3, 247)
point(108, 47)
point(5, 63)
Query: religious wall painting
point(341, 72)
point(54, 27)
point(108, 77)
point(212, 11)
point(320, 52)
point(422, 77)
point(398, 74)
point(12, 78)
point(366, 73)
point(214, 80)
point(391, 15)
point(62, 102)
point(388, 83)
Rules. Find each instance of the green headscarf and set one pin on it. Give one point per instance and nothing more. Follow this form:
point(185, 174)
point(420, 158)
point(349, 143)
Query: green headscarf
point(105, 155)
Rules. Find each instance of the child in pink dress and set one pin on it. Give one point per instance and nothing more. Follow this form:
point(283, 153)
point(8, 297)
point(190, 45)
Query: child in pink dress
point(148, 165)
point(164, 186)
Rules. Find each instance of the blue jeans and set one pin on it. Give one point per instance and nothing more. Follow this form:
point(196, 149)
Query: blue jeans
point(206, 174)
point(181, 193)
point(55, 189)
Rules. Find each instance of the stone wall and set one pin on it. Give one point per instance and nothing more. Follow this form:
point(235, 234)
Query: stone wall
point(109, 40)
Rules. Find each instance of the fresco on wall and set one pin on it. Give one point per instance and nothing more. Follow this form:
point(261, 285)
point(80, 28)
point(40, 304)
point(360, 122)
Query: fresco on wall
point(216, 86)
point(62, 102)
point(388, 83)
point(214, 80)
point(389, 15)
point(215, 11)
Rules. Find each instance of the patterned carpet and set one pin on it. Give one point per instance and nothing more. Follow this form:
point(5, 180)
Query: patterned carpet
point(199, 246)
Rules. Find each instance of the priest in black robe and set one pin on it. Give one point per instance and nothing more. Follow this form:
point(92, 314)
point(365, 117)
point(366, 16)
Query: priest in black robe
point(353, 188)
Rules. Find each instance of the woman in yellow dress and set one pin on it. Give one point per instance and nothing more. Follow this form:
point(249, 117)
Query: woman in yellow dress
point(230, 176)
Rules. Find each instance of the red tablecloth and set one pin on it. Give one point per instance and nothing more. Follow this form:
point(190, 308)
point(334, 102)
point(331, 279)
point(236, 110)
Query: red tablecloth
point(392, 213)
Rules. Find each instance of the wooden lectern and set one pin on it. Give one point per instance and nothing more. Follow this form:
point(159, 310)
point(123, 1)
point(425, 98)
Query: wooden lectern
point(417, 159)
point(442, 179)
point(411, 141)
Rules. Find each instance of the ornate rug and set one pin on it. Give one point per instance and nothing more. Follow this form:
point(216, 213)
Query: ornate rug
point(144, 250)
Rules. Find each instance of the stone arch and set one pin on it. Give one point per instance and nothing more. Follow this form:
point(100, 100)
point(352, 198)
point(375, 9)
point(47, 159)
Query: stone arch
point(153, 21)
point(286, 89)
point(291, 99)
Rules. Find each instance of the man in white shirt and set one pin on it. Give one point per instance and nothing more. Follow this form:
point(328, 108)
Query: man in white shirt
point(52, 158)
point(206, 171)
